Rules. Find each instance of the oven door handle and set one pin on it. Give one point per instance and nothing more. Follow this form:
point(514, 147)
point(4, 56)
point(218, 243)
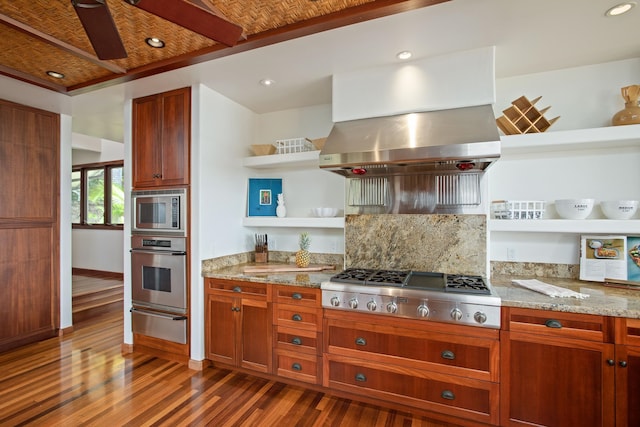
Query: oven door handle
point(146, 251)
point(156, 314)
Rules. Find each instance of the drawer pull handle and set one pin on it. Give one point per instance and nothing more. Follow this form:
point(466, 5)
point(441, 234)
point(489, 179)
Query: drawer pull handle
point(361, 341)
point(448, 394)
point(296, 367)
point(237, 289)
point(296, 296)
point(296, 318)
point(552, 323)
point(448, 354)
point(296, 341)
point(235, 308)
point(623, 363)
point(611, 362)
point(361, 378)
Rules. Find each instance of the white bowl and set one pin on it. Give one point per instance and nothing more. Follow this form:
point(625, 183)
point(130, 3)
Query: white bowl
point(324, 212)
point(574, 208)
point(619, 209)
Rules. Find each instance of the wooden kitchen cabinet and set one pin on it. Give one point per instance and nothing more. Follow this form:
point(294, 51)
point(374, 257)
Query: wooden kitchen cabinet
point(161, 139)
point(238, 324)
point(556, 369)
point(448, 370)
point(627, 367)
point(297, 332)
point(29, 224)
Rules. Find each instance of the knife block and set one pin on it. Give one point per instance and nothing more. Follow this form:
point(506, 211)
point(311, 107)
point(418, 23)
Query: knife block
point(262, 256)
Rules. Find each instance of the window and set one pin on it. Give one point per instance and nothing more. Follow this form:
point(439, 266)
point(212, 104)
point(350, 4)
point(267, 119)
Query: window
point(97, 195)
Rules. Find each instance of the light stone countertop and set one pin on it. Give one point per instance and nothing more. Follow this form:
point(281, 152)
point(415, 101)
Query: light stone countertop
point(602, 300)
point(307, 279)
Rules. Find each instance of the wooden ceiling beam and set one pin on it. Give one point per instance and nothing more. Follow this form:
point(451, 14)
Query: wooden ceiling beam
point(17, 25)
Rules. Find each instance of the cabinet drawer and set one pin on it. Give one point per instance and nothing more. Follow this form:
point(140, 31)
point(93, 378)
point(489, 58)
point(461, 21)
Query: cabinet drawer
point(300, 317)
point(295, 295)
point(237, 287)
point(455, 354)
point(558, 324)
point(302, 367)
point(297, 340)
point(472, 399)
point(628, 331)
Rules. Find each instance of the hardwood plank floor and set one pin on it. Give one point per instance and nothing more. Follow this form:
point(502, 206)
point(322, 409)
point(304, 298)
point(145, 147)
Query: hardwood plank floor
point(82, 379)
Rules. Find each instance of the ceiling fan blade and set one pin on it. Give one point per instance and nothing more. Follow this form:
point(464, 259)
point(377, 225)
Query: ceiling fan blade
point(100, 28)
point(193, 18)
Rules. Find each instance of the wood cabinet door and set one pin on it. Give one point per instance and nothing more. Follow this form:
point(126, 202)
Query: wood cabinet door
point(161, 139)
point(221, 331)
point(146, 149)
point(175, 130)
point(627, 386)
point(255, 335)
point(552, 381)
point(29, 225)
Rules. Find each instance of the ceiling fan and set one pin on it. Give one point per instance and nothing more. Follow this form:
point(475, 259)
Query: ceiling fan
point(198, 16)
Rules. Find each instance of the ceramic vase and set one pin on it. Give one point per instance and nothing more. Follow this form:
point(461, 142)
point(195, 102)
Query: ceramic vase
point(281, 209)
point(631, 113)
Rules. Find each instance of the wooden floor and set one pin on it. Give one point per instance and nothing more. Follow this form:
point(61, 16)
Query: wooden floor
point(82, 379)
point(95, 294)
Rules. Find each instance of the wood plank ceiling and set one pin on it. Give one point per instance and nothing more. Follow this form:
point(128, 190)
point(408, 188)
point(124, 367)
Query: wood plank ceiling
point(44, 35)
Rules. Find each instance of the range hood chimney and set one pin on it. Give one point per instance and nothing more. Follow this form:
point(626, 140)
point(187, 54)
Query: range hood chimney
point(445, 141)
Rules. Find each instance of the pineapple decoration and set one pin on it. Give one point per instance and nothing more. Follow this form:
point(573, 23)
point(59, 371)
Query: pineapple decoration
point(302, 256)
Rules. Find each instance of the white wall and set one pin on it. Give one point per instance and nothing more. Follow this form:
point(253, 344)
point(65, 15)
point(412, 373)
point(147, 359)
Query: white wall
point(303, 188)
point(221, 131)
point(583, 97)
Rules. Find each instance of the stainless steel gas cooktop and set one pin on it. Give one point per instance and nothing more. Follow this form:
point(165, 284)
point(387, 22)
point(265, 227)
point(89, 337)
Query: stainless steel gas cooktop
point(452, 298)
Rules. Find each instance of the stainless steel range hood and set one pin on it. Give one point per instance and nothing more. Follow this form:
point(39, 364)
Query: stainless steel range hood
point(456, 140)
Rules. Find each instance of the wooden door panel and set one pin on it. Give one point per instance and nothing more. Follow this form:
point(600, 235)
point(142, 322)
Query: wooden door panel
point(29, 228)
point(556, 383)
point(256, 336)
point(221, 335)
point(26, 270)
point(146, 136)
point(627, 386)
point(176, 122)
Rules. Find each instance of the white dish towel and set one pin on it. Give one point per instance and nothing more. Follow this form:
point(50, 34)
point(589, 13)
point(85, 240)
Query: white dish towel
point(547, 289)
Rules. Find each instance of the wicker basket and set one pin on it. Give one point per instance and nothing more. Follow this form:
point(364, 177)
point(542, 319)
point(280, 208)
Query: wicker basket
point(512, 209)
point(263, 149)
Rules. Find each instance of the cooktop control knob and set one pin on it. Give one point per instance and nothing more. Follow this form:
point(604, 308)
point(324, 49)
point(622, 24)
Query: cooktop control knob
point(456, 314)
point(353, 303)
point(335, 301)
point(371, 305)
point(480, 317)
point(392, 307)
point(423, 310)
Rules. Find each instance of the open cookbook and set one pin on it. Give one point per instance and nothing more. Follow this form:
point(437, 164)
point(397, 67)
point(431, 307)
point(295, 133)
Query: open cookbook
point(614, 259)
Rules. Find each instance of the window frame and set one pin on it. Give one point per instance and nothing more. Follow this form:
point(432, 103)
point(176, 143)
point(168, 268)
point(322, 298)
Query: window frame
point(83, 169)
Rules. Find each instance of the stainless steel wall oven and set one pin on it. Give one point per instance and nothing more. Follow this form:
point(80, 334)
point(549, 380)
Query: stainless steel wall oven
point(158, 287)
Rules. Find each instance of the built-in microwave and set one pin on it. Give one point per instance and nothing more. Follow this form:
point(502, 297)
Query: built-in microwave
point(159, 211)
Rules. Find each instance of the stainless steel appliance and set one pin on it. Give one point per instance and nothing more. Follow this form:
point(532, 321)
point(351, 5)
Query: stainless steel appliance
point(159, 212)
point(158, 287)
point(450, 298)
point(425, 162)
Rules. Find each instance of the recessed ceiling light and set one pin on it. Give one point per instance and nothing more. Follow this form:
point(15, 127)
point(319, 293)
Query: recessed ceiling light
point(621, 8)
point(154, 42)
point(267, 82)
point(405, 54)
point(55, 74)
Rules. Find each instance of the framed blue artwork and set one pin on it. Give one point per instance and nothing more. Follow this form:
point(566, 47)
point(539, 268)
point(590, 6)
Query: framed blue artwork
point(263, 195)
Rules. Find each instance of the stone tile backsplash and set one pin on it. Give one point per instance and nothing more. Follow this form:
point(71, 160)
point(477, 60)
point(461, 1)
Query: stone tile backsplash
point(437, 242)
